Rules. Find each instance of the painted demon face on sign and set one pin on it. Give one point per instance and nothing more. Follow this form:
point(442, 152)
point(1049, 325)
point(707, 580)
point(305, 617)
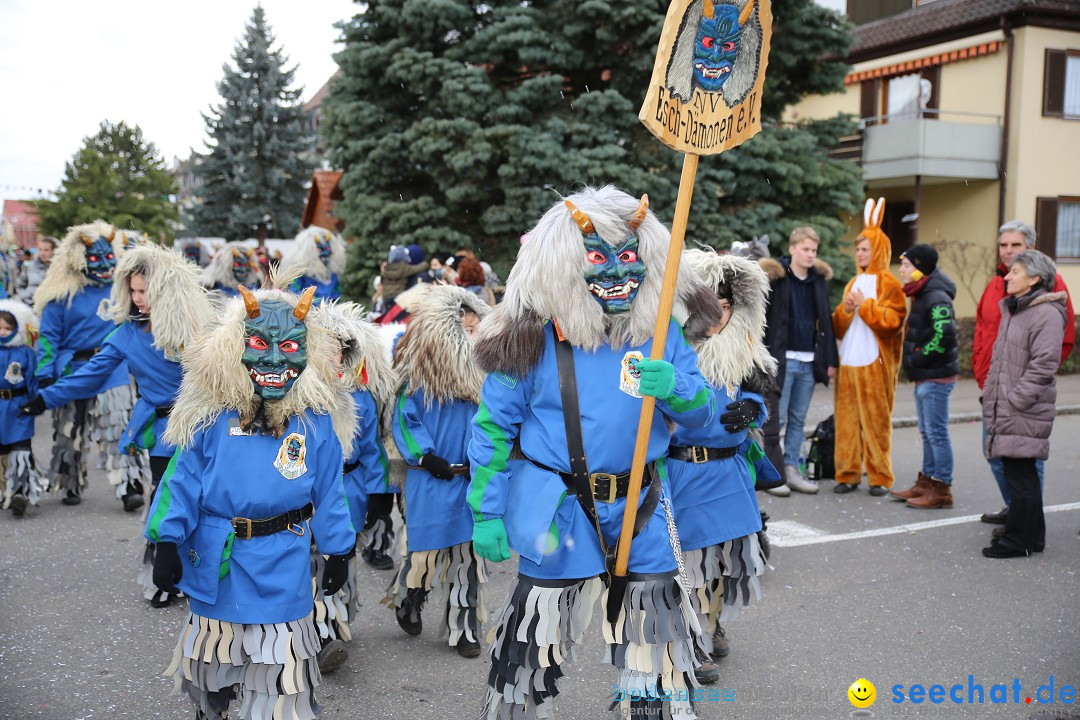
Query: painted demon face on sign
point(275, 351)
point(716, 47)
point(323, 245)
point(615, 272)
point(241, 266)
point(100, 261)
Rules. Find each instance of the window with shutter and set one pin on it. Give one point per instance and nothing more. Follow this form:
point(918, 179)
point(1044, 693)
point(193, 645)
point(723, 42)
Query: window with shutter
point(1061, 83)
point(1068, 227)
point(1046, 225)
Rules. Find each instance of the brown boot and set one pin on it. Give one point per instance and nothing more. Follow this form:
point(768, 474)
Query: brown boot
point(921, 487)
point(939, 496)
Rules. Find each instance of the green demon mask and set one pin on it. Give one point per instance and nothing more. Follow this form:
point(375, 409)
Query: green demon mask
point(275, 338)
point(241, 265)
point(615, 270)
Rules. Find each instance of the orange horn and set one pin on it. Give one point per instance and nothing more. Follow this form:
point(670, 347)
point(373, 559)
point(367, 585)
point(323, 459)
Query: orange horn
point(301, 310)
point(250, 301)
point(580, 218)
point(85, 240)
point(112, 234)
point(639, 215)
point(709, 10)
point(746, 11)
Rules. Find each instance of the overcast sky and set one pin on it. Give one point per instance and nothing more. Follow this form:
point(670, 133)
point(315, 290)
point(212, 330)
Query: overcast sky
point(66, 65)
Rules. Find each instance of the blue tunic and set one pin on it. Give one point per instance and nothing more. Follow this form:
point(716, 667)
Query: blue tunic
point(371, 471)
point(158, 377)
point(542, 524)
point(714, 501)
point(436, 514)
point(16, 371)
point(225, 474)
point(229, 292)
point(81, 326)
point(329, 290)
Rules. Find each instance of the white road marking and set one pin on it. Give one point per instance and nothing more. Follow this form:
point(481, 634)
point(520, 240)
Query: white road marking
point(787, 533)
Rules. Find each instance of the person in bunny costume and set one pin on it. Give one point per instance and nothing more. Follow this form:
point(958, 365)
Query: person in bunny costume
point(869, 325)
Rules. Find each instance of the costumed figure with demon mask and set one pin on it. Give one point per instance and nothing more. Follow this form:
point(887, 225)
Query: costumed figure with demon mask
point(261, 424)
point(364, 369)
point(565, 353)
point(234, 265)
point(440, 391)
point(193, 250)
point(159, 305)
point(712, 469)
point(73, 302)
point(318, 259)
point(20, 482)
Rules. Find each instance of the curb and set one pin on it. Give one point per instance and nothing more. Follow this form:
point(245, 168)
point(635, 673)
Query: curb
point(912, 421)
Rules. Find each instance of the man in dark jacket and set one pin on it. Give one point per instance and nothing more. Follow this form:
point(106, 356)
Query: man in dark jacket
point(931, 362)
point(1013, 238)
point(799, 335)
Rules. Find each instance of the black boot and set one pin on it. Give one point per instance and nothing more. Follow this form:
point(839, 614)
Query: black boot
point(72, 497)
point(18, 505)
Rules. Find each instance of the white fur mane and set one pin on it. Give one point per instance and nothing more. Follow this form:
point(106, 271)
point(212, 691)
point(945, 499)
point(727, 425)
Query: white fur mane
point(549, 276)
point(179, 304)
point(305, 256)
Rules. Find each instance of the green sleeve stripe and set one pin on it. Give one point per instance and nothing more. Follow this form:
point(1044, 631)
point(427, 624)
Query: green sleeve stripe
point(48, 354)
point(681, 406)
point(153, 528)
point(148, 437)
point(500, 454)
point(410, 442)
point(384, 462)
point(226, 555)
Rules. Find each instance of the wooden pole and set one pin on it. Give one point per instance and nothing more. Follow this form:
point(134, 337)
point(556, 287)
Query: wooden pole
point(663, 319)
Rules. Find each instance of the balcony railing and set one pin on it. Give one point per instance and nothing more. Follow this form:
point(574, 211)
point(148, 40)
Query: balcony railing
point(939, 146)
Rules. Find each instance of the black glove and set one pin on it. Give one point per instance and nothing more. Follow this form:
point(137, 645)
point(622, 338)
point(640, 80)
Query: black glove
point(36, 406)
point(167, 567)
point(45, 382)
point(740, 414)
point(437, 466)
point(335, 573)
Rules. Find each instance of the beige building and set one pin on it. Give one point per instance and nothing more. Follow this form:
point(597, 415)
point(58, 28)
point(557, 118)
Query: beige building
point(969, 117)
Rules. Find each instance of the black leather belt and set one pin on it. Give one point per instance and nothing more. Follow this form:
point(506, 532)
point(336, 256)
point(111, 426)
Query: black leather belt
point(9, 393)
point(84, 355)
point(349, 467)
point(606, 488)
point(697, 455)
point(163, 411)
point(455, 469)
point(246, 528)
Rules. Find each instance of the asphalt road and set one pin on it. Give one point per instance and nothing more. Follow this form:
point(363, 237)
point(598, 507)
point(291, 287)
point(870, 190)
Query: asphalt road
point(909, 606)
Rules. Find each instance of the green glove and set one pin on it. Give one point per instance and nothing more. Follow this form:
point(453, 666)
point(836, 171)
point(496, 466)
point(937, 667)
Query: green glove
point(657, 378)
point(489, 540)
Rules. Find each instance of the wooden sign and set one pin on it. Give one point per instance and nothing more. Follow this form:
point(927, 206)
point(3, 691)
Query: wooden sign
point(705, 93)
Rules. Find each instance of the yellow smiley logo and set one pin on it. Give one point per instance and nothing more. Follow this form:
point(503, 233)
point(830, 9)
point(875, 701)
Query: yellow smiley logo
point(862, 693)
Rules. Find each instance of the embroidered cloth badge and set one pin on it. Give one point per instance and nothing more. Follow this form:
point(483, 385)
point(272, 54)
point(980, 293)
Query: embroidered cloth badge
point(290, 457)
point(103, 309)
point(14, 373)
point(630, 376)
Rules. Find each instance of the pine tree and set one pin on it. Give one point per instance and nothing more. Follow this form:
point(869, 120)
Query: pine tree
point(254, 176)
point(117, 176)
point(455, 121)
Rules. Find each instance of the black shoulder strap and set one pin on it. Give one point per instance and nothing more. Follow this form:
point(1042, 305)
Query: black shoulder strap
point(579, 466)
